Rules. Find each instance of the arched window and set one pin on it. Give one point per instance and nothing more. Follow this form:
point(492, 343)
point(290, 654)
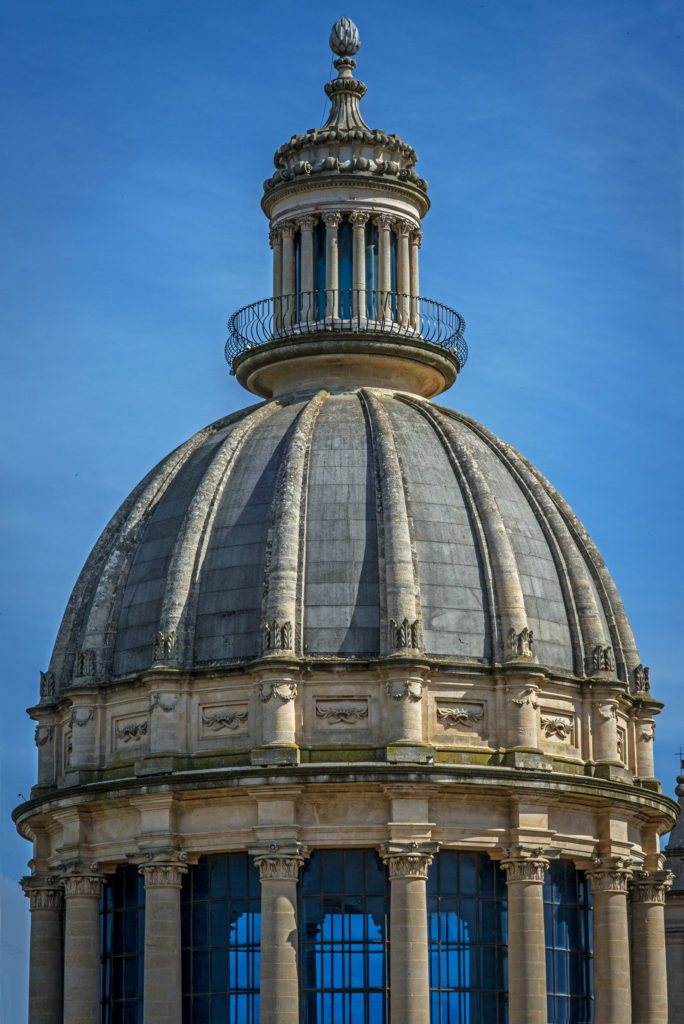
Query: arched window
point(466, 903)
point(122, 944)
point(220, 930)
point(567, 929)
point(343, 935)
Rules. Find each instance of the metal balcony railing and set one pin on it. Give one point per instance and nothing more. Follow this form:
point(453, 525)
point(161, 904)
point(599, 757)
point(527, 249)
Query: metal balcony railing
point(350, 311)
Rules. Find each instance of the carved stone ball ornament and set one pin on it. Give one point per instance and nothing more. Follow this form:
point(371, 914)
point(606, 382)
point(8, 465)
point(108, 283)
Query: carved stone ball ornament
point(344, 38)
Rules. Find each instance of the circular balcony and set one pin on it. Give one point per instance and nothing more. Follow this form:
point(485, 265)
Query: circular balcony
point(355, 324)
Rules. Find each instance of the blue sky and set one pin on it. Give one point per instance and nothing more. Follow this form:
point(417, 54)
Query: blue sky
point(136, 137)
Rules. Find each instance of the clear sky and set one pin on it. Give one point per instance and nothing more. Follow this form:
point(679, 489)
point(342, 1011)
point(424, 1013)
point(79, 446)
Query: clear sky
point(136, 137)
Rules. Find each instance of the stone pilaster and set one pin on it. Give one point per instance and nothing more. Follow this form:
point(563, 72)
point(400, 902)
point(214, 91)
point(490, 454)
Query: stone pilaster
point(407, 865)
point(402, 229)
point(645, 735)
point(649, 968)
point(359, 219)
point(83, 736)
point(82, 891)
point(288, 281)
point(306, 226)
point(525, 871)
point(332, 222)
point(612, 989)
point(163, 984)
point(405, 718)
point(277, 694)
point(46, 956)
point(278, 871)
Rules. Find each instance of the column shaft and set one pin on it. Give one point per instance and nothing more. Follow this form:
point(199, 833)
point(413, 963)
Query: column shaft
point(306, 225)
point(649, 967)
point(82, 949)
point(288, 279)
point(384, 265)
point(276, 240)
point(163, 982)
point(526, 943)
point(359, 220)
point(279, 998)
point(46, 957)
point(415, 282)
point(409, 967)
point(612, 988)
point(332, 222)
point(403, 271)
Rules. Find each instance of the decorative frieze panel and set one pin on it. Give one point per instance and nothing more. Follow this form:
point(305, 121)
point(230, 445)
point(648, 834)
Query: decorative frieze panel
point(558, 726)
point(342, 711)
point(223, 719)
point(460, 715)
point(129, 732)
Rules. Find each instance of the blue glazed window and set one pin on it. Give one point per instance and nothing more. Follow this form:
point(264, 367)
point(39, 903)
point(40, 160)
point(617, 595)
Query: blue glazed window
point(466, 902)
point(220, 929)
point(122, 944)
point(569, 949)
point(344, 931)
point(319, 268)
point(371, 243)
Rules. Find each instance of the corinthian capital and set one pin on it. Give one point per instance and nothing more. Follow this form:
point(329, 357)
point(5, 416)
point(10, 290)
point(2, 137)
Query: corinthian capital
point(385, 221)
point(278, 862)
point(287, 229)
point(332, 218)
point(408, 860)
point(525, 865)
point(79, 881)
point(650, 887)
point(610, 874)
point(164, 872)
point(359, 218)
point(306, 223)
point(44, 893)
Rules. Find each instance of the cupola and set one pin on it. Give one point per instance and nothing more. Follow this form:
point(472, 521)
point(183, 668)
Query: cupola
point(345, 207)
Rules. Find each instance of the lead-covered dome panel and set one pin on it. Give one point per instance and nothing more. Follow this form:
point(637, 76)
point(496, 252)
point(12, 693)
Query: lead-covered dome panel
point(357, 525)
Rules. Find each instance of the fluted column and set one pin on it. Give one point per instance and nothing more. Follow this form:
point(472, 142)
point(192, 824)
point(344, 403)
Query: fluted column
point(163, 984)
point(409, 965)
point(526, 944)
point(649, 967)
point(332, 282)
point(288, 280)
point(385, 223)
point(46, 956)
point(306, 226)
point(82, 948)
point(612, 999)
point(359, 219)
point(402, 229)
point(415, 240)
point(279, 998)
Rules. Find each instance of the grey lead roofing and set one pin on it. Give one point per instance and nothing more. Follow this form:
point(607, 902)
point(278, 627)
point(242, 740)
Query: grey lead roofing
point(338, 516)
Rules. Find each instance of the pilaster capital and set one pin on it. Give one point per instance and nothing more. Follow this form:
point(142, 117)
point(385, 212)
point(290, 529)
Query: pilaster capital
point(287, 229)
point(83, 880)
point(408, 860)
point(523, 864)
point(307, 222)
point(650, 886)
point(43, 892)
point(359, 218)
point(331, 218)
point(610, 874)
point(279, 862)
point(283, 690)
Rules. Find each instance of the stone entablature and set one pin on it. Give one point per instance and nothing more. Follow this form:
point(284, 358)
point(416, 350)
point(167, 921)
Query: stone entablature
point(292, 711)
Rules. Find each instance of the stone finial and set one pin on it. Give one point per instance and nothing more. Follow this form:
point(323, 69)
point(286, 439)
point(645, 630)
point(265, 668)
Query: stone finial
point(344, 38)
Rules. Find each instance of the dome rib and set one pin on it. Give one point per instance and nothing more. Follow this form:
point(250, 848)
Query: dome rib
point(626, 653)
point(103, 587)
point(401, 612)
point(282, 605)
point(510, 601)
point(586, 630)
point(179, 602)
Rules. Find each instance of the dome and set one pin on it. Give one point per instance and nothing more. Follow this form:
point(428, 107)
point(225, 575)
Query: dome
point(353, 525)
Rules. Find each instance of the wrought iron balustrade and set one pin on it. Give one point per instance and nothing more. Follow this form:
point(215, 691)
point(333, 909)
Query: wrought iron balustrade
point(350, 311)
